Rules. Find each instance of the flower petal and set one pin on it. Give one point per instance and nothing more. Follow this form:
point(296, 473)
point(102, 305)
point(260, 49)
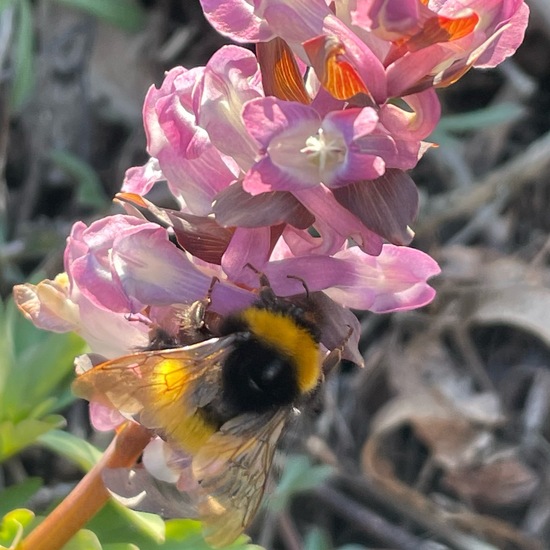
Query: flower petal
point(235, 207)
point(386, 205)
point(395, 280)
point(48, 305)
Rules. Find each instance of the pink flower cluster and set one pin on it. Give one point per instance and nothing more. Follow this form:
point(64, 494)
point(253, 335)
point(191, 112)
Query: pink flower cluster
point(291, 160)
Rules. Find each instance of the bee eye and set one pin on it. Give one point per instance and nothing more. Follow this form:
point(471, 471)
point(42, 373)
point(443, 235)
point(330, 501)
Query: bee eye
point(267, 374)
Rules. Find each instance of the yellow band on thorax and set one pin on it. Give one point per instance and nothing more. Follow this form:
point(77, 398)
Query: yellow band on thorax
point(282, 333)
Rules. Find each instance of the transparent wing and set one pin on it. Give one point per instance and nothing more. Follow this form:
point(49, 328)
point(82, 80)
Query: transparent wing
point(138, 489)
point(232, 469)
point(163, 388)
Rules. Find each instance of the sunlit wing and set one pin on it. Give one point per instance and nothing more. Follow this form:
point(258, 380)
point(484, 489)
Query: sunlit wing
point(139, 490)
point(232, 469)
point(162, 388)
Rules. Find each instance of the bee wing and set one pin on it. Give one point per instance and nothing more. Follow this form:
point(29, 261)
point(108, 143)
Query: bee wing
point(232, 470)
point(161, 386)
point(136, 488)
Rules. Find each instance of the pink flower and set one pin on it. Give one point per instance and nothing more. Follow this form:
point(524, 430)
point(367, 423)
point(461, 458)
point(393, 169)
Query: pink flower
point(381, 48)
point(221, 145)
point(300, 150)
point(182, 151)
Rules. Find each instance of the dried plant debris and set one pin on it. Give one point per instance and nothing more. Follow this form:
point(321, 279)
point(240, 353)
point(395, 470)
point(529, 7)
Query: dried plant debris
point(458, 442)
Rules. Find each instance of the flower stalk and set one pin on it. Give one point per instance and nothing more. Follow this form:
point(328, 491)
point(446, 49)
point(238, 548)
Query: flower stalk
point(90, 495)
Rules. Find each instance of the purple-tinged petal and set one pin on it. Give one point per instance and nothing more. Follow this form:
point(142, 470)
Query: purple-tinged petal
point(336, 223)
point(266, 118)
point(88, 261)
point(335, 323)
point(194, 168)
point(154, 271)
point(237, 19)
point(196, 182)
point(176, 88)
point(509, 41)
point(391, 19)
point(227, 299)
point(352, 123)
point(415, 125)
point(387, 205)
point(318, 272)
point(235, 207)
point(201, 236)
point(396, 280)
point(103, 418)
point(282, 129)
point(301, 151)
point(109, 333)
point(302, 243)
point(140, 179)
point(114, 267)
point(248, 246)
point(356, 127)
point(231, 78)
point(296, 20)
point(457, 36)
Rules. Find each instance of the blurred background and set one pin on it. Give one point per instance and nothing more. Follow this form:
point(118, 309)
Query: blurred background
point(443, 440)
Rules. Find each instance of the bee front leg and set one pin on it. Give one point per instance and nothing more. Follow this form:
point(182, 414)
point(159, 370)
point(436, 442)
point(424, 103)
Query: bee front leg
point(333, 358)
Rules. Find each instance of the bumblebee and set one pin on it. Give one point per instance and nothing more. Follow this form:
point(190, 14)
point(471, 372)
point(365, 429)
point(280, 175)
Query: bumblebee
point(220, 404)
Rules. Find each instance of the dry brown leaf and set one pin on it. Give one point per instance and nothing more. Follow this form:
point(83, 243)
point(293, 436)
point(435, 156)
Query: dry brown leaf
point(502, 482)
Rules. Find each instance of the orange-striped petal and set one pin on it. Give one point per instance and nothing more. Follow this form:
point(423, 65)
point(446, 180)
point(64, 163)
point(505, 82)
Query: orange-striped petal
point(337, 74)
point(280, 74)
point(443, 29)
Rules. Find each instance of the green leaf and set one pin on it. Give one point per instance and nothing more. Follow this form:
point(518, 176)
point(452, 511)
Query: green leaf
point(38, 373)
point(71, 447)
point(186, 534)
point(83, 540)
point(317, 539)
point(126, 14)
point(16, 436)
point(299, 475)
point(6, 4)
point(17, 496)
point(36, 366)
point(13, 526)
point(481, 118)
point(120, 546)
point(23, 80)
point(90, 191)
point(116, 524)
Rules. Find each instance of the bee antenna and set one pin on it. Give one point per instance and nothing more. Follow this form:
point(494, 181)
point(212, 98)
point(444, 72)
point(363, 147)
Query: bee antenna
point(304, 284)
point(264, 281)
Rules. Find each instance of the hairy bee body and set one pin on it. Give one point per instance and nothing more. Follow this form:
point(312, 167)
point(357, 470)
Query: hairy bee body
point(223, 402)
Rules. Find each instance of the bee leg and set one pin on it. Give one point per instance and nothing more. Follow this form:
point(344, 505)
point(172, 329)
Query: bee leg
point(334, 357)
point(198, 310)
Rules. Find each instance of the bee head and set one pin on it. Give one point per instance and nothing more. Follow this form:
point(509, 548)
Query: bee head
point(257, 377)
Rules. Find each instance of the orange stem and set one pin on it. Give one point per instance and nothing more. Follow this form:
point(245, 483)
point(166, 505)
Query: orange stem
point(90, 495)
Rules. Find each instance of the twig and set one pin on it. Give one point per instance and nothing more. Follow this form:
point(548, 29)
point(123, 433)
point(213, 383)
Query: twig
point(366, 521)
point(90, 495)
point(289, 533)
point(510, 177)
